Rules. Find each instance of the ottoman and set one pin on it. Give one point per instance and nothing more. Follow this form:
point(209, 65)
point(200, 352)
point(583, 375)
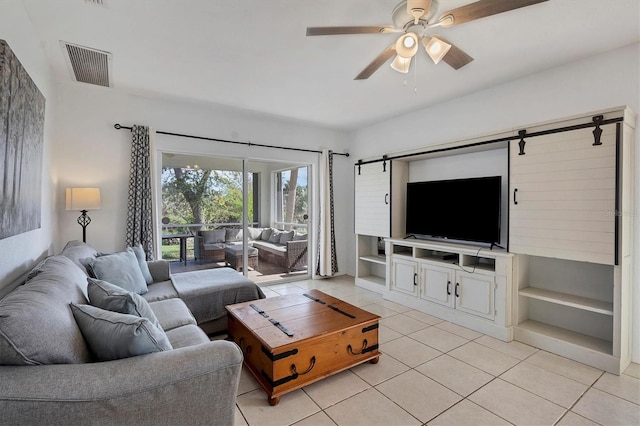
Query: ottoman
point(233, 256)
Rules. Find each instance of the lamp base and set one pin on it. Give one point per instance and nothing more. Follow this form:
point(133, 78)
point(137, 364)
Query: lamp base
point(84, 221)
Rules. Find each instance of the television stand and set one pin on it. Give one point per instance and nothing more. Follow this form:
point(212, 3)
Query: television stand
point(463, 284)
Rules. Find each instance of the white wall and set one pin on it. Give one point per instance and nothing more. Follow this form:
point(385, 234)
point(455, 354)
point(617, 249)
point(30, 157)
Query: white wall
point(595, 83)
point(19, 252)
point(90, 152)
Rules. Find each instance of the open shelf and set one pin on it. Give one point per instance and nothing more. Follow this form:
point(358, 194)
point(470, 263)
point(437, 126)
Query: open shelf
point(374, 279)
point(571, 300)
point(379, 259)
point(568, 336)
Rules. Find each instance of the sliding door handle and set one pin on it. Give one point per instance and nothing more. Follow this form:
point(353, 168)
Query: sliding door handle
point(386, 198)
point(515, 196)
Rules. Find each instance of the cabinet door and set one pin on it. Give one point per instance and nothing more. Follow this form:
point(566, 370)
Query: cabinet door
point(474, 294)
point(436, 284)
point(372, 200)
point(563, 191)
point(404, 276)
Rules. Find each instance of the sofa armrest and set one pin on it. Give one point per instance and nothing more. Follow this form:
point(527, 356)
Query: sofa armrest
point(159, 270)
point(191, 385)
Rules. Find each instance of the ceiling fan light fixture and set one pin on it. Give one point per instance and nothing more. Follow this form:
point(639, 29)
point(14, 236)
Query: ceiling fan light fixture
point(436, 48)
point(407, 45)
point(401, 64)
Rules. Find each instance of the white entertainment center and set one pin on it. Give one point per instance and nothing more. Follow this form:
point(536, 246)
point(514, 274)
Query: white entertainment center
point(564, 282)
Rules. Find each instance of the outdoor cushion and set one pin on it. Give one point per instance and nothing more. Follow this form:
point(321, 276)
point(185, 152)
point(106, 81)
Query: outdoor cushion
point(141, 257)
point(233, 234)
point(275, 236)
point(213, 236)
point(121, 269)
point(110, 297)
point(254, 233)
point(112, 335)
point(266, 234)
point(299, 237)
point(286, 236)
point(213, 246)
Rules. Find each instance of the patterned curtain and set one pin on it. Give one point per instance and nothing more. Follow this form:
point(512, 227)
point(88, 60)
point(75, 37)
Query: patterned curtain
point(327, 258)
point(139, 215)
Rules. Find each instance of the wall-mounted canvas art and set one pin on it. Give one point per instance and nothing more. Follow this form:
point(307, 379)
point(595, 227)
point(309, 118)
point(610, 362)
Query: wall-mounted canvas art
point(21, 144)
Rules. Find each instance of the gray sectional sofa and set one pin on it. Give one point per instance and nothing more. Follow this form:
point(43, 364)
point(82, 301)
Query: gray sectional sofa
point(50, 367)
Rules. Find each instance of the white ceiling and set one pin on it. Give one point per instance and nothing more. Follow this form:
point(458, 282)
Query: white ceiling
point(254, 55)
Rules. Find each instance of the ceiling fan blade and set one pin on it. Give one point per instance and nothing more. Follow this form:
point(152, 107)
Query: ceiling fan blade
point(377, 62)
point(319, 31)
point(455, 57)
point(481, 9)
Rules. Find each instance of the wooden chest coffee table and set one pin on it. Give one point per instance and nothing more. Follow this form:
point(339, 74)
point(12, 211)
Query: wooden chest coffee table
point(291, 341)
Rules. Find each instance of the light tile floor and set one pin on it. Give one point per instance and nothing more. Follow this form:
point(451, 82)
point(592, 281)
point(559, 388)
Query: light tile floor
point(437, 373)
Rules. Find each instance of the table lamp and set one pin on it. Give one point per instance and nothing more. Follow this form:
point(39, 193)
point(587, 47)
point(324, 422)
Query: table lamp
point(83, 199)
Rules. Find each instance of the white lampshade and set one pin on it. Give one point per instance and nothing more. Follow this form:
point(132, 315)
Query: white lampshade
point(401, 64)
point(436, 48)
point(83, 199)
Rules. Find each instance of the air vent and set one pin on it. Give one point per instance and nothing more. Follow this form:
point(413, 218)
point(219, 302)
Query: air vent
point(88, 65)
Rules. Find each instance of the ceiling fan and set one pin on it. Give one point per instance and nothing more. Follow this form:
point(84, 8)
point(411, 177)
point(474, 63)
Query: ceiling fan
point(415, 19)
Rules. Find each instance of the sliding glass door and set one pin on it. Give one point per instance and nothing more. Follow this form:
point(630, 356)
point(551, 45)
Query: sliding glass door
point(221, 211)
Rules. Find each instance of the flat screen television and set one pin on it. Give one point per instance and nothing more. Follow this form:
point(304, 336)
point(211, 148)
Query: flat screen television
point(458, 209)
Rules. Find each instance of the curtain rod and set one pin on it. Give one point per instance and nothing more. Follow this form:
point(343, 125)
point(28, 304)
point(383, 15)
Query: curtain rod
point(117, 126)
point(597, 122)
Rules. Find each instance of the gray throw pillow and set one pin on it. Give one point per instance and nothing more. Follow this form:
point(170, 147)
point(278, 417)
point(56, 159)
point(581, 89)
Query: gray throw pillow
point(286, 236)
point(266, 234)
point(141, 257)
point(121, 269)
point(233, 234)
point(112, 335)
point(275, 237)
point(299, 237)
point(110, 297)
point(214, 236)
point(254, 233)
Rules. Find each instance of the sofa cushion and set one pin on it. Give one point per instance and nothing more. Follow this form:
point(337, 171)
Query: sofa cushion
point(172, 313)
point(277, 249)
point(266, 234)
point(286, 236)
point(141, 257)
point(299, 237)
point(187, 335)
point(36, 324)
point(112, 335)
point(232, 234)
point(214, 246)
point(79, 253)
point(254, 233)
point(113, 298)
point(121, 269)
point(161, 290)
point(213, 236)
point(275, 236)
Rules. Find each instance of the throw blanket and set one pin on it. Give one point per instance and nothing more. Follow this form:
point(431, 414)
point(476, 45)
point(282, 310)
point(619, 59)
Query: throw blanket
point(206, 292)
